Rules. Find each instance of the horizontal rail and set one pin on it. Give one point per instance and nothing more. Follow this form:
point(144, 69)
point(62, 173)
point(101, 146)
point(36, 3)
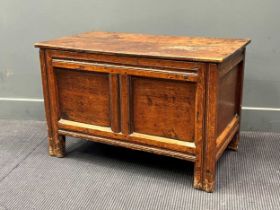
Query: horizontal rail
point(130, 145)
point(131, 70)
point(226, 136)
point(100, 131)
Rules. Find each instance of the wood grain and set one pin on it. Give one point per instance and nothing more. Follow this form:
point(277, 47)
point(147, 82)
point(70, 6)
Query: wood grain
point(227, 97)
point(57, 145)
point(226, 136)
point(46, 100)
point(168, 95)
point(135, 71)
point(209, 162)
point(164, 106)
point(126, 60)
point(200, 134)
point(238, 102)
point(115, 103)
point(156, 141)
point(172, 47)
point(126, 125)
point(80, 105)
point(130, 145)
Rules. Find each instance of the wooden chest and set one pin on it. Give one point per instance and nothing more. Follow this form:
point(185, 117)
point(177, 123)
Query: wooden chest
point(169, 95)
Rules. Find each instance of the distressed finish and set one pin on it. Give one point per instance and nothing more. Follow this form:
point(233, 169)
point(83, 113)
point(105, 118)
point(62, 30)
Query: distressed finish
point(173, 96)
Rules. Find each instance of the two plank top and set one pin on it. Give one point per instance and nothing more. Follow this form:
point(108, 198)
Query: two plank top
point(169, 47)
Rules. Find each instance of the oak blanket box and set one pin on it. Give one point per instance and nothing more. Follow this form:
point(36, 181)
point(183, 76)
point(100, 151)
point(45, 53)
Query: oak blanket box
point(170, 95)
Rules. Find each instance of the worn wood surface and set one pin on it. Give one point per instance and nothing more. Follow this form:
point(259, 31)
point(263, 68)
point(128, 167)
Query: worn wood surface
point(238, 102)
point(173, 47)
point(226, 136)
point(164, 106)
point(57, 145)
point(78, 92)
point(211, 117)
point(115, 103)
point(144, 92)
point(227, 98)
point(46, 95)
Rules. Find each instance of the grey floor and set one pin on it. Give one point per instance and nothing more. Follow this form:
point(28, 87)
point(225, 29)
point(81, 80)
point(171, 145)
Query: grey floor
point(96, 176)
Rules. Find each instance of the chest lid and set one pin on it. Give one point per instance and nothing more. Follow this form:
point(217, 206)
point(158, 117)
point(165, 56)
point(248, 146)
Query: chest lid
point(158, 46)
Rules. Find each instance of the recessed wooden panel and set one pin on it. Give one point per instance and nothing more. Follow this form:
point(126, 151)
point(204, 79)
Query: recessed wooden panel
point(163, 108)
point(227, 99)
point(83, 96)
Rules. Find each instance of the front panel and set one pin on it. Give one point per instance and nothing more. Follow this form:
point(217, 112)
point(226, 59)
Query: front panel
point(149, 106)
point(83, 96)
point(163, 107)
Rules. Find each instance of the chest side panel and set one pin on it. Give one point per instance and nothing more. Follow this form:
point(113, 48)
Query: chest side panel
point(227, 98)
